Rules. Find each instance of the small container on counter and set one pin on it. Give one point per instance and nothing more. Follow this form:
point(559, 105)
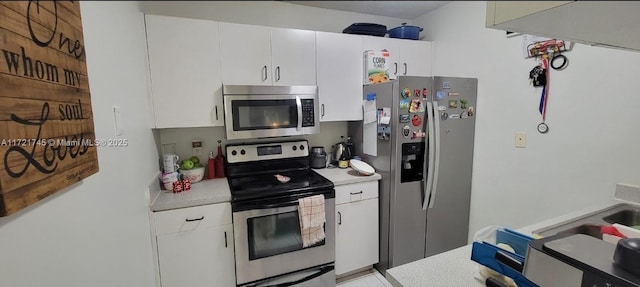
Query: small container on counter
point(211, 165)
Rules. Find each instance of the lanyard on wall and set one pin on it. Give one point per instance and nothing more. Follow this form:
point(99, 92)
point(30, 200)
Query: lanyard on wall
point(544, 98)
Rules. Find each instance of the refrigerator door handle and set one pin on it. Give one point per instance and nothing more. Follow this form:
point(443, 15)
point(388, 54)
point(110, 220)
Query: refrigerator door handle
point(437, 157)
point(429, 162)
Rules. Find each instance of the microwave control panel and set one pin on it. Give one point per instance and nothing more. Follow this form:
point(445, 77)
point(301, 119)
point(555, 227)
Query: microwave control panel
point(308, 113)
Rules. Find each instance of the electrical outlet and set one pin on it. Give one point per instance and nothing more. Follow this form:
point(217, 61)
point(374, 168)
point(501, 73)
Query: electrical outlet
point(197, 147)
point(521, 139)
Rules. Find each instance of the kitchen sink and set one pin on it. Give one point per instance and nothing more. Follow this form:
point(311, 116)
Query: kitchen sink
point(628, 217)
point(622, 213)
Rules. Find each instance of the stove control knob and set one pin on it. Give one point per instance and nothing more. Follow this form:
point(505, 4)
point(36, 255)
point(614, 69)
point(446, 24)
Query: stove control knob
point(294, 147)
point(301, 147)
point(234, 152)
point(242, 152)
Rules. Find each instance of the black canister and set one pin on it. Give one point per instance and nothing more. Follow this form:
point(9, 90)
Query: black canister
point(318, 157)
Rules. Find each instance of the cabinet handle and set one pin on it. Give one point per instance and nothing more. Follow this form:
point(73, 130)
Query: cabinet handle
point(405, 68)
point(225, 239)
point(264, 72)
point(339, 218)
point(197, 219)
point(216, 113)
point(278, 73)
point(354, 193)
point(322, 110)
point(396, 72)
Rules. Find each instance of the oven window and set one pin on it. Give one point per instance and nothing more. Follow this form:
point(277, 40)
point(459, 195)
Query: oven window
point(264, 114)
point(274, 234)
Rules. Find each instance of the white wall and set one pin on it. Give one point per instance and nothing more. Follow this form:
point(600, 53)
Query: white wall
point(592, 114)
point(96, 232)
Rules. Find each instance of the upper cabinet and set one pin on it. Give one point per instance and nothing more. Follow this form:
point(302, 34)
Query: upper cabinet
point(598, 23)
point(259, 55)
point(184, 63)
point(408, 57)
point(340, 76)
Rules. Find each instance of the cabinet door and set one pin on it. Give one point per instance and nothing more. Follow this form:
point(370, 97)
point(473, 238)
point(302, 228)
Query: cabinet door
point(381, 43)
point(197, 258)
point(415, 58)
point(340, 70)
point(184, 63)
point(293, 57)
point(245, 54)
point(356, 235)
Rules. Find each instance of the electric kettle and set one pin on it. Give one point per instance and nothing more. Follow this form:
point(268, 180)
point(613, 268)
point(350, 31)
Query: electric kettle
point(342, 151)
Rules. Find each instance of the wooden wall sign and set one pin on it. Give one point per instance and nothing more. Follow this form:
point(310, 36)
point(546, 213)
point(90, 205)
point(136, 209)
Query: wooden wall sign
point(47, 139)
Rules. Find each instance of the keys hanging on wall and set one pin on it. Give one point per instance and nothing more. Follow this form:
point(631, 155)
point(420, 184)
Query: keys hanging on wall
point(537, 76)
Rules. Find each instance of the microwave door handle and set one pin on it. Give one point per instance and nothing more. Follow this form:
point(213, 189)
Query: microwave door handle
point(299, 104)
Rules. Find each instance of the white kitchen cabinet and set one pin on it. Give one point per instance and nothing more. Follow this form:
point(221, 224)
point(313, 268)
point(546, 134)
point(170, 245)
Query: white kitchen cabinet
point(260, 55)
point(195, 246)
point(408, 57)
point(293, 56)
point(586, 22)
point(357, 235)
point(184, 64)
point(340, 76)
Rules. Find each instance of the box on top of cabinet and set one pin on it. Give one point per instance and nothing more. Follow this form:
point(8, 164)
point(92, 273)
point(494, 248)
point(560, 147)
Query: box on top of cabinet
point(377, 65)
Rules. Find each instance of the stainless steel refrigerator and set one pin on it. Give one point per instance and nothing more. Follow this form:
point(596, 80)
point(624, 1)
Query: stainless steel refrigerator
point(418, 133)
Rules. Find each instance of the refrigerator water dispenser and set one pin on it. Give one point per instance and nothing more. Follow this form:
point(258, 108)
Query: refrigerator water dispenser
point(412, 162)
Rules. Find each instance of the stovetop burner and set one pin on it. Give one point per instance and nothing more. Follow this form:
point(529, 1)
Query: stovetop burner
point(266, 185)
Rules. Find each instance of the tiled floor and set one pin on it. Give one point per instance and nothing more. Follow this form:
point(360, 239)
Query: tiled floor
point(370, 278)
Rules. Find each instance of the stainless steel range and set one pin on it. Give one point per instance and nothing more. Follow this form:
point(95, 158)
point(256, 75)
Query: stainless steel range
point(267, 235)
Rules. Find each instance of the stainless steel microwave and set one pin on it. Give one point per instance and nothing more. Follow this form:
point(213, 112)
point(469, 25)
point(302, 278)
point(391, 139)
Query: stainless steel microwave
point(270, 111)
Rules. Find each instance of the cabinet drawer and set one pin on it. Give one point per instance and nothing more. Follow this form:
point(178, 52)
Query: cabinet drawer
point(192, 218)
point(356, 192)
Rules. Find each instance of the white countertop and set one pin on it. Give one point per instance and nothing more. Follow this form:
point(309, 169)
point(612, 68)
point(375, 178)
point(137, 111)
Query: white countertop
point(455, 268)
point(208, 191)
point(342, 176)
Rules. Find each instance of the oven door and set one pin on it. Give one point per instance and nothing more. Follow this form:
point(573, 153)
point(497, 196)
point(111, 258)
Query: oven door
point(261, 116)
point(268, 241)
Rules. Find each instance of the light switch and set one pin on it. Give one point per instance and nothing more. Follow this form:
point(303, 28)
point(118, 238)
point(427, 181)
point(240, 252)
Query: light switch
point(521, 139)
point(117, 119)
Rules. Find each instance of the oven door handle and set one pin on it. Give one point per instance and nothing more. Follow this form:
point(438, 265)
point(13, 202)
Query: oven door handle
point(276, 205)
point(322, 271)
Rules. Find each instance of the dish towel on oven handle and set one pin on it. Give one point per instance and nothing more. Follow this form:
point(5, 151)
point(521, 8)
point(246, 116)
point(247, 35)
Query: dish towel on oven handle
point(312, 219)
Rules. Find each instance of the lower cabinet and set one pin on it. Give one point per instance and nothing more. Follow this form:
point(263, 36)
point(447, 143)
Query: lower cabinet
point(357, 235)
point(195, 246)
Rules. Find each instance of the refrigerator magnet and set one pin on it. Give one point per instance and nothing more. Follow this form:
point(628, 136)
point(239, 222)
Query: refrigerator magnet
point(404, 104)
point(453, 94)
point(446, 85)
point(470, 111)
point(464, 115)
point(417, 93)
point(416, 120)
point(442, 108)
point(444, 116)
point(453, 104)
point(416, 106)
point(463, 103)
point(406, 131)
point(418, 134)
point(424, 92)
point(404, 118)
point(406, 92)
point(440, 95)
point(454, 116)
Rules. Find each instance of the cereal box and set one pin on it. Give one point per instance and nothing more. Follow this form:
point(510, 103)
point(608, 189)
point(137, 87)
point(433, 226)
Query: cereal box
point(377, 64)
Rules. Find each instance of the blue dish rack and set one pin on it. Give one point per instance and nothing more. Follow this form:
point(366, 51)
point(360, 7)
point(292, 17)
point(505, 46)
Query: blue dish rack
point(486, 252)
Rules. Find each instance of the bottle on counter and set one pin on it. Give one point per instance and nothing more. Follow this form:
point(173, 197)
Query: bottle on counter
point(211, 173)
point(219, 162)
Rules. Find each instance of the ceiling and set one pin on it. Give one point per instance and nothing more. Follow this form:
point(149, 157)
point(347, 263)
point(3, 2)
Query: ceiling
point(395, 9)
